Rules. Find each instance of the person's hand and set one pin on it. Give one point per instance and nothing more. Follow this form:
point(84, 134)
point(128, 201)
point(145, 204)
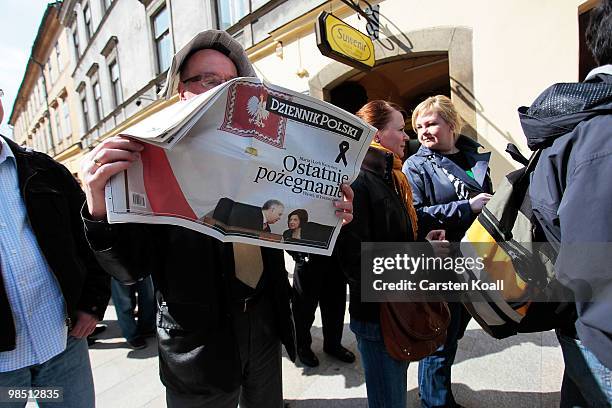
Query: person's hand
point(437, 239)
point(476, 203)
point(436, 235)
point(344, 208)
point(84, 326)
point(110, 157)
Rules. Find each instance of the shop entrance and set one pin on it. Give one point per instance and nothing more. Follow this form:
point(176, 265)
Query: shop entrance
point(406, 81)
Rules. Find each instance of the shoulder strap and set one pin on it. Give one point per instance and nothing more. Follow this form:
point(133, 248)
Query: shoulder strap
point(461, 189)
point(516, 154)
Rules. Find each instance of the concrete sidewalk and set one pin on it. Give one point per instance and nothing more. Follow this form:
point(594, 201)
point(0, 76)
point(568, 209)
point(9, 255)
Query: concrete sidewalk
point(522, 371)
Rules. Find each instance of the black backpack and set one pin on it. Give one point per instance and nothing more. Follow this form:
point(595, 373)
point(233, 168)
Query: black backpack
point(511, 244)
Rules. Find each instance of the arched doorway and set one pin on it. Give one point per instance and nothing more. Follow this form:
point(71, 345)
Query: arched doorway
point(421, 63)
point(405, 81)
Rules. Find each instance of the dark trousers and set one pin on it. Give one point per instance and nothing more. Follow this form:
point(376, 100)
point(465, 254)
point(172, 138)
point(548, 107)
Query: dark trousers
point(125, 299)
point(435, 369)
point(260, 356)
point(318, 280)
point(386, 377)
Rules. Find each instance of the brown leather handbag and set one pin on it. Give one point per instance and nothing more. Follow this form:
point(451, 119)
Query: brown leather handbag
point(413, 330)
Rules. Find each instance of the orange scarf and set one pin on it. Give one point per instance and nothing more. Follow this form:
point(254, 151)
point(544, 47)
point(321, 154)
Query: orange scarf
point(401, 186)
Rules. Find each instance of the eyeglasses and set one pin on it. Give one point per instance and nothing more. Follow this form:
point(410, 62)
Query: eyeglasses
point(207, 81)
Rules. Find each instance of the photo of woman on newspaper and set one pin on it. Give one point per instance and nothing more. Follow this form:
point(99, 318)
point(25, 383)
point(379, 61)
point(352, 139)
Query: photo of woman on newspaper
point(295, 220)
point(302, 231)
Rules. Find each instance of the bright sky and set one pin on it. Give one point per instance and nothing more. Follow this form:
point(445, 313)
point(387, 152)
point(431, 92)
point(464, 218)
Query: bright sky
point(19, 20)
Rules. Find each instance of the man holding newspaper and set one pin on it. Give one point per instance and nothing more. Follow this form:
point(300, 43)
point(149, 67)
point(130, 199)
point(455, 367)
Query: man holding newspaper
point(223, 308)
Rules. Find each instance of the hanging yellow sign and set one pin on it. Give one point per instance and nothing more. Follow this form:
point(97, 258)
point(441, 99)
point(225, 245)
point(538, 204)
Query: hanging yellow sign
point(345, 44)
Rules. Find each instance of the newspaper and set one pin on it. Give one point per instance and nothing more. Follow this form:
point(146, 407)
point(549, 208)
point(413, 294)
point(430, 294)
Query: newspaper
point(246, 162)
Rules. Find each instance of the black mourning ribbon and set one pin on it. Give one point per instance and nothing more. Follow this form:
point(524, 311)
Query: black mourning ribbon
point(343, 147)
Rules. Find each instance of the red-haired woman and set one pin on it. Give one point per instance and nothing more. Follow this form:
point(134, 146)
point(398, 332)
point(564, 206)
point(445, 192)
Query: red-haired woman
point(383, 212)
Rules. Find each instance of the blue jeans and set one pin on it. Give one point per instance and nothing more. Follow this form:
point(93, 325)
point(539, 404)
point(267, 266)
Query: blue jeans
point(386, 378)
point(435, 370)
point(69, 370)
point(124, 299)
point(586, 381)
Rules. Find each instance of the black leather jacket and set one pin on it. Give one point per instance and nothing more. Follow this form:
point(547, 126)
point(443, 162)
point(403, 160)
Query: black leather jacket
point(379, 216)
point(53, 200)
point(193, 274)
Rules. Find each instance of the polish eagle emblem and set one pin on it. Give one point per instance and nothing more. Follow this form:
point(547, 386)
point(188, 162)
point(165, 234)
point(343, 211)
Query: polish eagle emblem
point(257, 110)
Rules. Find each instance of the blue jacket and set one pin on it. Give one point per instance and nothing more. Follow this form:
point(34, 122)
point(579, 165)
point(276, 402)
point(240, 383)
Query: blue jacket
point(434, 196)
point(571, 196)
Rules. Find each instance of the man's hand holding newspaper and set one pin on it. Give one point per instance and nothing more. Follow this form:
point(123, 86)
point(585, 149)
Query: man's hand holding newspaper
point(112, 156)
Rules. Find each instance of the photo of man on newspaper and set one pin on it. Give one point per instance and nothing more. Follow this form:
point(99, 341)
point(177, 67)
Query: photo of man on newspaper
point(237, 218)
point(250, 220)
point(234, 214)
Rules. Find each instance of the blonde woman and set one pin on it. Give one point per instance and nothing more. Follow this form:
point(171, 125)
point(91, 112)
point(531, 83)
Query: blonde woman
point(450, 183)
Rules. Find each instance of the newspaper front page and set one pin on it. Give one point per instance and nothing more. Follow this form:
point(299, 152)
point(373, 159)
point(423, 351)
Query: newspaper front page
point(245, 162)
